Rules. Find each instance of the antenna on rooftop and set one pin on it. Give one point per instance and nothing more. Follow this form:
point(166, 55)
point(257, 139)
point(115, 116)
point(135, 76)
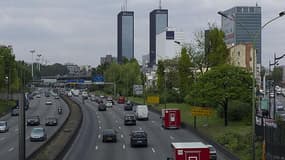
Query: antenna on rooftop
point(159, 5)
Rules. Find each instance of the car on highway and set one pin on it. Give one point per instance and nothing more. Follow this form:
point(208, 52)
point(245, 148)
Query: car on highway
point(109, 135)
point(38, 134)
point(33, 121)
point(213, 152)
point(15, 112)
point(93, 98)
point(130, 119)
point(128, 106)
point(109, 104)
point(138, 138)
point(102, 107)
point(38, 96)
point(48, 102)
point(85, 95)
point(141, 112)
point(56, 97)
point(271, 95)
point(121, 100)
point(279, 107)
point(51, 121)
point(4, 126)
point(69, 94)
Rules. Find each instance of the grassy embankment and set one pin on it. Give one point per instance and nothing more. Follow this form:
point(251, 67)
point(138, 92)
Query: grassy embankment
point(236, 136)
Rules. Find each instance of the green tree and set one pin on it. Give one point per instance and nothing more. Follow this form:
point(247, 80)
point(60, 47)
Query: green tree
point(220, 85)
point(277, 74)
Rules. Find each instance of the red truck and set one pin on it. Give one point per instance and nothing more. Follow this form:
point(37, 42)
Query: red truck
point(190, 151)
point(171, 118)
point(121, 100)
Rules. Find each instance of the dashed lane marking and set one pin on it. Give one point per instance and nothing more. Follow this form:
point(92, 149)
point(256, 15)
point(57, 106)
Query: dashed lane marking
point(124, 146)
point(171, 137)
point(99, 136)
point(122, 136)
point(152, 121)
point(96, 147)
point(116, 121)
point(11, 149)
point(120, 127)
point(153, 150)
point(99, 121)
point(100, 127)
point(1, 139)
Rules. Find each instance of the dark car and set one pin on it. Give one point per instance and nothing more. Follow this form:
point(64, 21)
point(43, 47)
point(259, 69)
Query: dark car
point(130, 119)
point(102, 107)
point(51, 121)
point(138, 138)
point(128, 106)
point(109, 135)
point(15, 112)
point(213, 152)
point(33, 121)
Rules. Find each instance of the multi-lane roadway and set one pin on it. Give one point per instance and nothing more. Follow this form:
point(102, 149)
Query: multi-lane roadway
point(88, 144)
point(9, 140)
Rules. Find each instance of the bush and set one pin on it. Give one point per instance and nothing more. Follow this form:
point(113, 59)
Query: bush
point(239, 111)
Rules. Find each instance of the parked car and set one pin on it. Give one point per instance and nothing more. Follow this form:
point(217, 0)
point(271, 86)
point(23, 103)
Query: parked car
point(129, 119)
point(102, 107)
point(51, 121)
point(33, 121)
point(109, 135)
point(15, 112)
point(213, 152)
point(138, 138)
point(38, 134)
point(4, 126)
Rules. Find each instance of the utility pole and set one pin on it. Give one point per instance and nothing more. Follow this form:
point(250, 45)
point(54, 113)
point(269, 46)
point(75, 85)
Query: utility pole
point(32, 51)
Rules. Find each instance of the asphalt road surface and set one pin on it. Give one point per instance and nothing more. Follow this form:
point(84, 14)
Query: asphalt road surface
point(88, 144)
point(9, 140)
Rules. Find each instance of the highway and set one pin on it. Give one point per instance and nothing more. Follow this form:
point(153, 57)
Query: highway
point(9, 140)
point(88, 144)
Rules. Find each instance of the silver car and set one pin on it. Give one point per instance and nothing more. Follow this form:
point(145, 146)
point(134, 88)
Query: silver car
point(38, 134)
point(3, 126)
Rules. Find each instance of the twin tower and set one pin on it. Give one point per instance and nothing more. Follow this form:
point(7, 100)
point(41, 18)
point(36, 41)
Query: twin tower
point(158, 22)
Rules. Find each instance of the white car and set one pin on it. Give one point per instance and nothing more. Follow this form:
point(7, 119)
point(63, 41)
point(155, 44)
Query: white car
point(3, 126)
point(38, 96)
point(141, 112)
point(109, 104)
point(69, 94)
point(48, 102)
point(271, 95)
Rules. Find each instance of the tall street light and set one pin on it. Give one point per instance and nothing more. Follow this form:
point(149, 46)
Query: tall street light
point(253, 38)
point(166, 71)
point(32, 51)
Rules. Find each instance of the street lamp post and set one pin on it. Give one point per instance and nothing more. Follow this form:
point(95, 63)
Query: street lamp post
point(166, 70)
point(32, 51)
point(253, 38)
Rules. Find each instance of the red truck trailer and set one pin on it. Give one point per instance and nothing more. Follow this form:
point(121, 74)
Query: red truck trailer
point(190, 151)
point(171, 118)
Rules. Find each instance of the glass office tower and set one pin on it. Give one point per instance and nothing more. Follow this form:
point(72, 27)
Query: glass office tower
point(158, 23)
point(246, 27)
point(125, 42)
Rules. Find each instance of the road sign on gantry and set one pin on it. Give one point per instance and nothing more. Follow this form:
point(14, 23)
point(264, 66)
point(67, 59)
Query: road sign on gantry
point(152, 100)
point(98, 79)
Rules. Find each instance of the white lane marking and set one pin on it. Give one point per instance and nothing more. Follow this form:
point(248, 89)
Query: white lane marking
point(11, 149)
point(99, 136)
point(1, 139)
point(16, 130)
point(152, 121)
point(153, 150)
point(96, 147)
point(119, 127)
point(99, 121)
point(140, 128)
point(100, 127)
point(122, 136)
point(171, 137)
point(124, 146)
point(116, 121)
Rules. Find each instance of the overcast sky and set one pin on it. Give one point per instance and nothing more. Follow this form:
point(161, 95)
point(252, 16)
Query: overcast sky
point(82, 31)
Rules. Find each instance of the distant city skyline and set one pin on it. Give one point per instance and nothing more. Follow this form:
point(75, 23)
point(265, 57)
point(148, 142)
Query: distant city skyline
point(83, 31)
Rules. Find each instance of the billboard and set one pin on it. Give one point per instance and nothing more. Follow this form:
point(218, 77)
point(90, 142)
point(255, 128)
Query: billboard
point(138, 89)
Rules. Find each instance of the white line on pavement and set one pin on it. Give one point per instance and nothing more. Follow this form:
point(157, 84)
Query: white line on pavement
point(99, 127)
point(153, 150)
point(152, 121)
point(11, 149)
point(124, 146)
point(119, 127)
point(16, 130)
point(122, 136)
point(99, 136)
point(96, 147)
point(171, 137)
point(116, 121)
point(1, 139)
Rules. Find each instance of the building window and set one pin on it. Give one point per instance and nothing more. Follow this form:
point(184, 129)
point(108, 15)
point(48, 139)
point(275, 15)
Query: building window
point(245, 9)
point(239, 9)
point(251, 9)
point(238, 53)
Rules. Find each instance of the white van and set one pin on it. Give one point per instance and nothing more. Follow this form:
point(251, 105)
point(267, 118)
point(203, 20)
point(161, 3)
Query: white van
point(141, 112)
